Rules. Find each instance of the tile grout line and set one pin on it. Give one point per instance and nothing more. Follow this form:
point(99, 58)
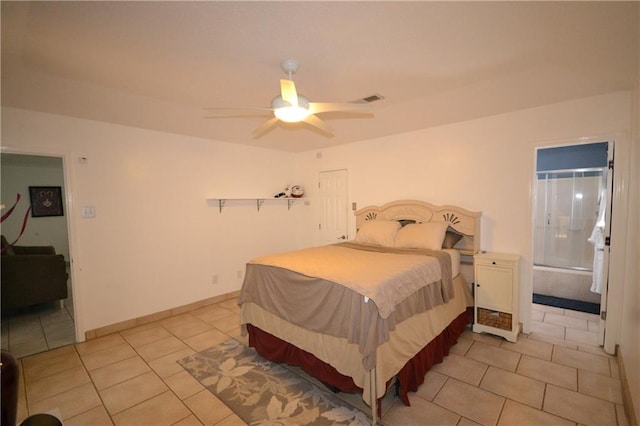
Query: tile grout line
point(554, 414)
point(544, 397)
point(433, 401)
point(24, 381)
point(94, 384)
point(504, 402)
point(578, 380)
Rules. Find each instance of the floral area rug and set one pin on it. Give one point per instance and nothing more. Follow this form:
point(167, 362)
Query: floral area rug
point(264, 393)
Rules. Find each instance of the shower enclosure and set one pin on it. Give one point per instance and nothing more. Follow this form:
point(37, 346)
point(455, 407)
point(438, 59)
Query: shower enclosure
point(566, 212)
point(570, 191)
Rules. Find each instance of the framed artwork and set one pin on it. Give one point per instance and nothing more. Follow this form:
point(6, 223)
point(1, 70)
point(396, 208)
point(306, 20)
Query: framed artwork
point(46, 201)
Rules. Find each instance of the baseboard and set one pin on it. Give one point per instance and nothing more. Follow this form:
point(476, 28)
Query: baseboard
point(135, 322)
point(629, 409)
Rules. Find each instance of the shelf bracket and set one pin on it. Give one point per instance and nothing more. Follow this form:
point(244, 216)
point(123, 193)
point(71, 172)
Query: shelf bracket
point(259, 203)
point(289, 202)
point(221, 204)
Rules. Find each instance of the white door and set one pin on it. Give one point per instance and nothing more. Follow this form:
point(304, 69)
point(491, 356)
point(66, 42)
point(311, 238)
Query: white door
point(334, 211)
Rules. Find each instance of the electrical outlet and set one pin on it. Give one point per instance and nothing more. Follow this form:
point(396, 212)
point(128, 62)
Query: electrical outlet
point(239, 274)
point(214, 280)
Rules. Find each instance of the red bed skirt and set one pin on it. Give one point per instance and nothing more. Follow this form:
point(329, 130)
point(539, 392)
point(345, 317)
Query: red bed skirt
point(410, 377)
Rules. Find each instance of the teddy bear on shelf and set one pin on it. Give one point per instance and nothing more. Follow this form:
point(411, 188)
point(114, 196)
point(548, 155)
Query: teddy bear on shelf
point(285, 194)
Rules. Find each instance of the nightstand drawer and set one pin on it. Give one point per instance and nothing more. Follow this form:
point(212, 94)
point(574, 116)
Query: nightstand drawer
point(500, 260)
point(499, 263)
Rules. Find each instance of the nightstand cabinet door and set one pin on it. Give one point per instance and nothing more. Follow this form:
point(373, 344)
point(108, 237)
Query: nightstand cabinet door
point(496, 290)
point(494, 287)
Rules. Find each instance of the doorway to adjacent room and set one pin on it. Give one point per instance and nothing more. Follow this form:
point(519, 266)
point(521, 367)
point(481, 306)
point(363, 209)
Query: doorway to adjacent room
point(32, 329)
point(572, 210)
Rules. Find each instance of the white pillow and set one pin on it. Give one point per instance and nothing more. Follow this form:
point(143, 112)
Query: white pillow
point(429, 235)
point(378, 232)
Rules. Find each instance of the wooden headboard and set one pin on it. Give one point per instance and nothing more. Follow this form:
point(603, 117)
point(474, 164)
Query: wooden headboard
point(463, 221)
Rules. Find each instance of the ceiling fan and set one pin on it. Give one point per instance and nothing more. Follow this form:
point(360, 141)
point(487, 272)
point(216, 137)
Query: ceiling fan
point(290, 107)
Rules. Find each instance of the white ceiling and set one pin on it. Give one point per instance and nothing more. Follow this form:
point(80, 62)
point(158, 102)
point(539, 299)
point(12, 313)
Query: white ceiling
point(156, 65)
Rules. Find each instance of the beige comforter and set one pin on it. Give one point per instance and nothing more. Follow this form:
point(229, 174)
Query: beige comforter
point(349, 290)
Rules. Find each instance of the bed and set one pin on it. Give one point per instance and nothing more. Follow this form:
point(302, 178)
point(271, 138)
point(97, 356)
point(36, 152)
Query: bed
point(355, 315)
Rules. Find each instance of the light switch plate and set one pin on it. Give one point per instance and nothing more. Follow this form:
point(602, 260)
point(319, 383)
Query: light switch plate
point(88, 212)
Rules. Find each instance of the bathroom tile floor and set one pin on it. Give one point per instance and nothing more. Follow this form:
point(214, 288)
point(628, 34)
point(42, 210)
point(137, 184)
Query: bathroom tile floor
point(556, 325)
point(132, 378)
point(39, 328)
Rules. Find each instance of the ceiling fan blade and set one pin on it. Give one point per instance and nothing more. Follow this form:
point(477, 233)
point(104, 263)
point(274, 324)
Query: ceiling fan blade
point(241, 114)
point(238, 108)
point(319, 124)
point(319, 107)
point(240, 111)
point(265, 127)
point(288, 92)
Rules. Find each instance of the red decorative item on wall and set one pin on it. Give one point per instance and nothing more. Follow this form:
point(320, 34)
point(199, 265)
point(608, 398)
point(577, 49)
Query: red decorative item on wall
point(24, 221)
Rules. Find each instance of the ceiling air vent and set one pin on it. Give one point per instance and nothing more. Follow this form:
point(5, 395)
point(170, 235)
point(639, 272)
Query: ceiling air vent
point(372, 98)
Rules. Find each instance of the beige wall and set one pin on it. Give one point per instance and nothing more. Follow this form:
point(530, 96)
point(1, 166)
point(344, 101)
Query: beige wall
point(155, 243)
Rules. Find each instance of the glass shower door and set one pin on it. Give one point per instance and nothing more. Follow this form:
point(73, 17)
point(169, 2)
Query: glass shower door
point(566, 213)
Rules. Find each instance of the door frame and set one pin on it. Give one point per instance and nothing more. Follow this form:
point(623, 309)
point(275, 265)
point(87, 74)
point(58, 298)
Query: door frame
point(609, 201)
point(68, 173)
point(619, 217)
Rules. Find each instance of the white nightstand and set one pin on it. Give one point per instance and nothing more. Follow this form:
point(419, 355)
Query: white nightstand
point(496, 298)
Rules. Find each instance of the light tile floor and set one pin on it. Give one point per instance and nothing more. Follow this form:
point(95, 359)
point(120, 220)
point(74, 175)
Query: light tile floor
point(131, 378)
point(39, 328)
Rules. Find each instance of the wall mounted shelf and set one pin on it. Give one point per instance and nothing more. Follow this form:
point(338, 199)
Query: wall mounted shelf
point(259, 201)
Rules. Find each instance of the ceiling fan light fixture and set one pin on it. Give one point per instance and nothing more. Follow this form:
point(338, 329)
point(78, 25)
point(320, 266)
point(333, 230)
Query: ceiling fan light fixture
point(291, 113)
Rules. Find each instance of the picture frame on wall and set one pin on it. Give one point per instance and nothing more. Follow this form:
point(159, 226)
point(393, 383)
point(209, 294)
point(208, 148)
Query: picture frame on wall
point(46, 201)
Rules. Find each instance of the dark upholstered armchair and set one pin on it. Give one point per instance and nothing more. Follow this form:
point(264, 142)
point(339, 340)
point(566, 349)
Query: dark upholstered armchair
point(31, 275)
